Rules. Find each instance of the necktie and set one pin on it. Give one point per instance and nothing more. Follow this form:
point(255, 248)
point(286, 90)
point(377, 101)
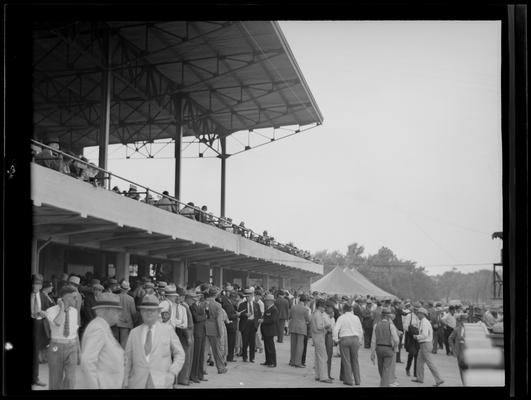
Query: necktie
point(250, 308)
point(147, 345)
point(35, 305)
point(66, 331)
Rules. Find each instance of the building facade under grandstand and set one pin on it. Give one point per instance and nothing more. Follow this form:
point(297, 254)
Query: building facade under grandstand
point(139, 82)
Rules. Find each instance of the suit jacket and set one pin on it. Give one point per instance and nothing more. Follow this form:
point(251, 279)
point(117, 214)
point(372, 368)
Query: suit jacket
point(231, 314)
point(282, 305)
point(299, 318)
point(128, 311)
point(102, 357)
point(199, 317)
point(244, 317)
point(214, 323)
point(166, 358)
point(269, 325)
point(46, 302)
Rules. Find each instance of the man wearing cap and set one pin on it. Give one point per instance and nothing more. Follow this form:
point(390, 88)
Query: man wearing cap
point(102, 357)
point(269, 329)
point(127, 314)
point(367, 323)
point(299, 318)
point(214, 326)
point(198, 310)
point(449, 322)
point(425, 339)
point(282, 305)
point(38, 315)
point(63, 351)
point(231, 326)
point(348, 332)
point(384, 340)
point(411, 324)
point(249, 321)
point(154, 355)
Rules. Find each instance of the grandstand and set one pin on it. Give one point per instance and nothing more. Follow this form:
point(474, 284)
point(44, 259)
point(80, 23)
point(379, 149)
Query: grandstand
point(138, 82)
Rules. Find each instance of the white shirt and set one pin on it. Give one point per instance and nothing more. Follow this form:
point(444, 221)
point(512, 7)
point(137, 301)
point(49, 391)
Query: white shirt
point(410, 319)
point(145, 329)
point(180, 320)
point(347, 324)
point(57, 332)
point(425, 331)
point(449, 320)
point(329, 321)
point(261, 305)
point(39, 305)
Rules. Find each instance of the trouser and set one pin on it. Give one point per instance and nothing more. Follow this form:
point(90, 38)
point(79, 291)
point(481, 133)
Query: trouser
point(184, 375)
point(321, 368)
point(305, 346)
point(349, 347)
point(270, 352)
point(215, 347)
point(238, 342)
point(329, 343)
point(297, 347)
point(412, 358)
point(280, 331)
point(385, 357)
point(400, 340)
point(447, 332)
point(121, 334)
point(62, 362)
point(425, 358)
point(435, 340)
point(231, 341)
point(257, 341)
point(198, 358)
point(248, 337)
point(393, 370)
point(367, 336)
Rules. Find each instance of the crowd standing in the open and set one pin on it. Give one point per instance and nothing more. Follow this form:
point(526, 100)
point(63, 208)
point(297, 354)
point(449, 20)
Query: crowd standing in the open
point(159, 335)
point(77, 166)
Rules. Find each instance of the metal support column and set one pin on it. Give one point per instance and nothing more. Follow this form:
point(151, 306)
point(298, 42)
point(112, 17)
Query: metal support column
point(178, 104)
point(34, 257)
point(266, 281)
point(106, 91)
point(223, 142)
point(220, 283)
point(122, 265)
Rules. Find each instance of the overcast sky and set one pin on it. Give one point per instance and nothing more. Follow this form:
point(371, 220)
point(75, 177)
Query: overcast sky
point(408, 157)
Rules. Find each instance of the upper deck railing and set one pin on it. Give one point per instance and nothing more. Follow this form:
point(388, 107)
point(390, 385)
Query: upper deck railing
point(80, 168)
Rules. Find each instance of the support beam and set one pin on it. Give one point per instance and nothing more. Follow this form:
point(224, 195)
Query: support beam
point(223, 142)
point(178, 103)
point(220, 277)
point(34, 257)
point(266, 281)
point(106, 90)
point(122, 265)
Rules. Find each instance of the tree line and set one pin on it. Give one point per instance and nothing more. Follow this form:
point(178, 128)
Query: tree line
point(407, 280)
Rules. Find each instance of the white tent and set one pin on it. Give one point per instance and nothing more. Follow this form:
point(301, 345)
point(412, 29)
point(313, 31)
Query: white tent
point(339, 282)
point(374, 290)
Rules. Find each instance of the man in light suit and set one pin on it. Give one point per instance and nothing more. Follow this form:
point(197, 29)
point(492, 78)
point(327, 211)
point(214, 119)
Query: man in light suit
point(249, 320)
point(102, 357)
point(154, 355)
point(214, 326)
point(299, 318)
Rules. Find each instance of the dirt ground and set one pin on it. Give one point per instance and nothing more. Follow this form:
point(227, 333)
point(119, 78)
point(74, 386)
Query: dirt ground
point(254, 375)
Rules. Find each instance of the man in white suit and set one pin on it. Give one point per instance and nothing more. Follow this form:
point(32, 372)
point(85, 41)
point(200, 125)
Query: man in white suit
point(154, 355)
point(102, 357)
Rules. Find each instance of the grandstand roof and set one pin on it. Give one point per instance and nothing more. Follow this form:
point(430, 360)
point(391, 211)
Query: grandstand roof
point(230, 75)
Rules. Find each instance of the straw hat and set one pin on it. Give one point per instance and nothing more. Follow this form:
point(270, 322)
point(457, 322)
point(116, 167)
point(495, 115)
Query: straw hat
point(150, 302)
point(107, 300)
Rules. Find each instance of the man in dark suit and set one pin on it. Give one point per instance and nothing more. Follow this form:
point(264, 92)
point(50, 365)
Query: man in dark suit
point(282, 305)
point(249, 319)
point(269, 330)
point(198, 310)
point(298, 327)
point(232, 315)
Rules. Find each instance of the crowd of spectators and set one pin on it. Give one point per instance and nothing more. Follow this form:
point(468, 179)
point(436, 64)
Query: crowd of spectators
point(88, 172)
